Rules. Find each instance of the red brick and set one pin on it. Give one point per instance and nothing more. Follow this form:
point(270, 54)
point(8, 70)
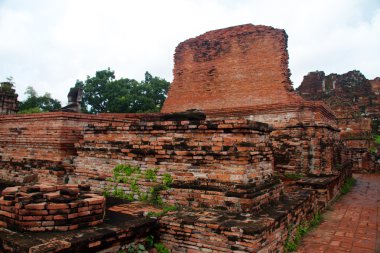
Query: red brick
point(57, 206)
point(39, 206)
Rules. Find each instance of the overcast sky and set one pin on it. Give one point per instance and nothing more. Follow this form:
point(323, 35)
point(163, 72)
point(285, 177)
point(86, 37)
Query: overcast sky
point(49, 44)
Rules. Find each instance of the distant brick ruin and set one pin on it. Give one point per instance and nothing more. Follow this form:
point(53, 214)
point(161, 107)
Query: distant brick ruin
point(251, 162)
point(8, 99)
point(355, 101)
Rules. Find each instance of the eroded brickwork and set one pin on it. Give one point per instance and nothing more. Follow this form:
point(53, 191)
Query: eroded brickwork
point(40, 144)
point(305, 138)
point(354, 100)
point(243, 71)
point(213, 163)
point(234, 67)
point(50, 207)
point(219, 231)
point(222, 165)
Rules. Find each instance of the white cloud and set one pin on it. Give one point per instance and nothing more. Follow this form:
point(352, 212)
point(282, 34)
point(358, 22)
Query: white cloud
point(50, 44)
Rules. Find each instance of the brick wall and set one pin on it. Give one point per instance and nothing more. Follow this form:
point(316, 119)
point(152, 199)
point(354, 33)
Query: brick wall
point(307, 150)
point(305, 138)
point(41, 144)
point(212, 162)
point(355, 102)
point(239, 66)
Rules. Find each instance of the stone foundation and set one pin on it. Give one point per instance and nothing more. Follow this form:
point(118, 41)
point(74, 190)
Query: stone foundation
point(50, 207)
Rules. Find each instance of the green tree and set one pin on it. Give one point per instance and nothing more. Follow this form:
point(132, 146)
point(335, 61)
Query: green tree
point(105, 93)
point(34, 103)
point(95, 90)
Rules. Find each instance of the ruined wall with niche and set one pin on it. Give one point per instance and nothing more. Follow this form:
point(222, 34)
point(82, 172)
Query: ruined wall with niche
point(355, 101)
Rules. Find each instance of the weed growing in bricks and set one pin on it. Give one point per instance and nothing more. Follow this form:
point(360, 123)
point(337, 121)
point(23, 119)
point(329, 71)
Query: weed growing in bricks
point(293, 175)
point(376, 138)
point(350, 182)
point(164, 211)
point(124, 184)
point(292, 242)
point(145, 247)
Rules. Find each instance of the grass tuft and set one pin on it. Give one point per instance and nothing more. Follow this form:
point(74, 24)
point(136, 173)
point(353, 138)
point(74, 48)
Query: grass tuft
point(292, 242)
point(350, 182)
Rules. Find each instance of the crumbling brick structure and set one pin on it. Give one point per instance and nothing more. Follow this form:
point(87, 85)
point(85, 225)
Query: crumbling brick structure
point(50, 207)
point(223, 160)
point(243, 72)
point(355, 101)
point(8, 99)
point(214, 163)
point(40, 147)
point(236, 67)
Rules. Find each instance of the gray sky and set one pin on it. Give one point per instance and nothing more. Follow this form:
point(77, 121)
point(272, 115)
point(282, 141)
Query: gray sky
point(49, 44)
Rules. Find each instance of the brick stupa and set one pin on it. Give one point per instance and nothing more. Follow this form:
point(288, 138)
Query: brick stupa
point(241, 66)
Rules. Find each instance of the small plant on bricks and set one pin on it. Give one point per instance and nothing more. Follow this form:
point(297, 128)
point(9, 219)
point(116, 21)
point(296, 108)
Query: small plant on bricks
point(293, 240)
point(125, 184)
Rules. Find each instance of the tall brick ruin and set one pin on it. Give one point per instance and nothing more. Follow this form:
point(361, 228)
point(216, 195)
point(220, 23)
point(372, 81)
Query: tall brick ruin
point(243, 71)
point(235, 67)
point(8, 99)
point(355, 101)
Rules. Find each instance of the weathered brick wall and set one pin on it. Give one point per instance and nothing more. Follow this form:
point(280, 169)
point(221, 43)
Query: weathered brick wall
point(354, 100)
point(282, 115)
point(212, 162)
point(305, 138)
point(220, 231)
point(239, 66)
point(41, 144)
point(243, 71)
point(50, 207)
point(306, 150)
